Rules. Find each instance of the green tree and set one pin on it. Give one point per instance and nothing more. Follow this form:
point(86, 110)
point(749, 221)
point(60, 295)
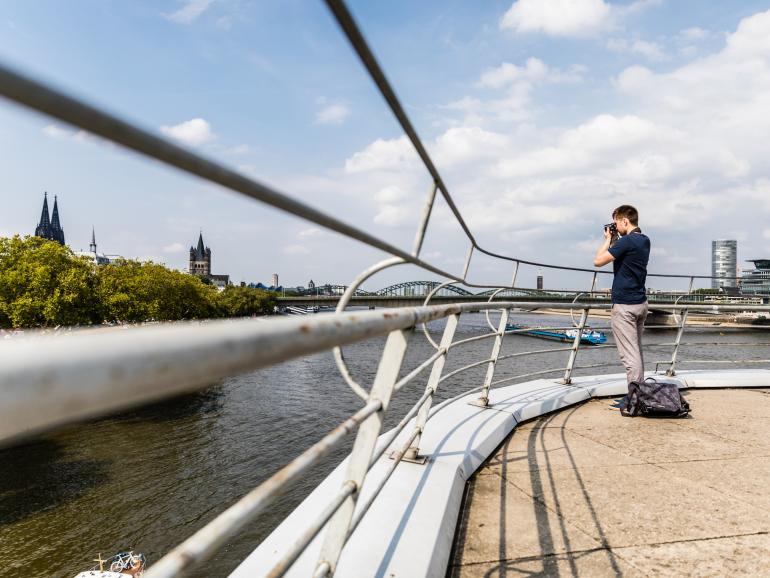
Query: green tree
point(43, 283)
point(246, 301)
point(132, 291)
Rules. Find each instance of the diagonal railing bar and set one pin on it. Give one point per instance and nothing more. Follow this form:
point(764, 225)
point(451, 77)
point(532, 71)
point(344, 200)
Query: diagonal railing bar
point(427, 210)
point(363, 448)
point(418, 370)
point(391, 436)
point(463, 369)
point(396, 458)
point(483, 400)
point(348, 489)
point(205, 541)
point(432, 385)
point(575, 347)
point(361, 47)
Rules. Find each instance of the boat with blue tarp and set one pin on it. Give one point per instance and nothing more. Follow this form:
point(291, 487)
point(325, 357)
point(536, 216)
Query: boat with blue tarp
point(589, 336)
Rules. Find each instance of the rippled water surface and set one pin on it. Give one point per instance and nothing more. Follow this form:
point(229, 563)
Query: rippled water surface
point(148, 479)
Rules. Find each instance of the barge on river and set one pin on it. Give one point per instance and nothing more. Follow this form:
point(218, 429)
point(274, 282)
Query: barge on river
point(589, 336)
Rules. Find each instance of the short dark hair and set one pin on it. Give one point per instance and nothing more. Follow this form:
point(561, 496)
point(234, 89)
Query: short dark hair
point(626, 212)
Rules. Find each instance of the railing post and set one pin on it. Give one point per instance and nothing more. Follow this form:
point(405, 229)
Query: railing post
point(412, 454)
point(671, 371)
point(423, 226)
point(366, 439)
point(575, 346)
point(483, 401)
point(468, 261)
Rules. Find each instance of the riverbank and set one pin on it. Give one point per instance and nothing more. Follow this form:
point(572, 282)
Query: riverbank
point(727, 321)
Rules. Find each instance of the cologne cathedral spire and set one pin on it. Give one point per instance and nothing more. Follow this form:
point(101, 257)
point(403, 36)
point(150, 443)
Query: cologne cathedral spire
point(50, 228)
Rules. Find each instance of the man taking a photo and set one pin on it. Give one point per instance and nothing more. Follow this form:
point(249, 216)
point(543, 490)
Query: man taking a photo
point(629, 254)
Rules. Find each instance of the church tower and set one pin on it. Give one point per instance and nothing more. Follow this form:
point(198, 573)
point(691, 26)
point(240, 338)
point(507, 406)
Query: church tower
point(50, 228)
point(200, 259)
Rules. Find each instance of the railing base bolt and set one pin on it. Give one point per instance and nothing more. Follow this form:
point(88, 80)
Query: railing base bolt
point(412, 456)
point(480, 402)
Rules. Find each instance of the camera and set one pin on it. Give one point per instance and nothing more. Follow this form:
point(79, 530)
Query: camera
point(613, 229)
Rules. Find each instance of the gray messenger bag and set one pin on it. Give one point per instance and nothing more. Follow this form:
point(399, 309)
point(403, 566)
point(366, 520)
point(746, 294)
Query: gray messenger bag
point(653, 398)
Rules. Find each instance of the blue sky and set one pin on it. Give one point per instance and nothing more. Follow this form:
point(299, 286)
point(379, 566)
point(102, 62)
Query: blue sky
point(542, 116)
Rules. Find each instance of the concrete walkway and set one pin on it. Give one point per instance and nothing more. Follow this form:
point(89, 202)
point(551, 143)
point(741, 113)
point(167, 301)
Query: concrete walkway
point(586, 492)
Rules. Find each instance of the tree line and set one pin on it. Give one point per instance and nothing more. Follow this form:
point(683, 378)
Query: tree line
point(43, 283)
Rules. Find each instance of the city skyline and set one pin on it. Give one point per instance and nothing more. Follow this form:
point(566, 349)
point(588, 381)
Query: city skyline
point(541, 125)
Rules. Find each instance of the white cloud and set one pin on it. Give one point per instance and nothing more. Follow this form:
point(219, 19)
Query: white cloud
point(693, 34)
point(332, 114)
point(194, 132)
point(534, 70)
point(383, 155)
point(309, 232)
point(650, 50)
point(571, 18)
point(58, 132)
point(189, 12)
point(391, 194)
point(61, 133)
point(174, 248)
point(513, 102)
point(396, 206)
point(394, 216)
point(558, 17)
point(296, 250)
point(467, 143)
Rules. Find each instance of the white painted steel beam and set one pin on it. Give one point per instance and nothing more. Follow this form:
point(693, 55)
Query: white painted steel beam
point(47, 380)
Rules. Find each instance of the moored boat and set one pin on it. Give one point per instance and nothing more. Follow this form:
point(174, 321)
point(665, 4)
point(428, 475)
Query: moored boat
point(589, 336)
point(121, 565)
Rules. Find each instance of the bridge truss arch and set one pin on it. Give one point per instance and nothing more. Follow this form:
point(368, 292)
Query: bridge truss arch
point(421, 289)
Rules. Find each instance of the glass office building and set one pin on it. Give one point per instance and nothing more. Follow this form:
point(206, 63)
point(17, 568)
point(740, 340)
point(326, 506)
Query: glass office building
point(724, 263)
point(757, 280)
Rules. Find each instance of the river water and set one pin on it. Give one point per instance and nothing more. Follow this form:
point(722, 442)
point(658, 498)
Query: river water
point(147, 479)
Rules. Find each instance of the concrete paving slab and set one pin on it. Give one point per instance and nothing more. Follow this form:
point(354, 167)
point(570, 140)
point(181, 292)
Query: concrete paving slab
point(730, 556)
point(752, 434)
point(744, 404)
point(501, 511)
point(661, 497)
point(660, 441)
point(742, 478)
point(533, 447)
point(627, 505)
point(592, 563)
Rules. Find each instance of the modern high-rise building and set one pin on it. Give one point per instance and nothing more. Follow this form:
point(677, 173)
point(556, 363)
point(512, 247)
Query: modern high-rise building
point(724, 263)
point(757, 280)
point(274, 280)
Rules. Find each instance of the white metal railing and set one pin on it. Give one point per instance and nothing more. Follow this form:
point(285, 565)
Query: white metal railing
point(51, 380)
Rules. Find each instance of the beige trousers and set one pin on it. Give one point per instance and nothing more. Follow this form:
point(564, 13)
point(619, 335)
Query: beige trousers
point(627, 324)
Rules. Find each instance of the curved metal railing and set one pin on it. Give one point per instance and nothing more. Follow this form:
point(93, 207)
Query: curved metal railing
point(48, 381)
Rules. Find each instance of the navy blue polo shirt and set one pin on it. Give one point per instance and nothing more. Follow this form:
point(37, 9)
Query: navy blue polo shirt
point(632, 253)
